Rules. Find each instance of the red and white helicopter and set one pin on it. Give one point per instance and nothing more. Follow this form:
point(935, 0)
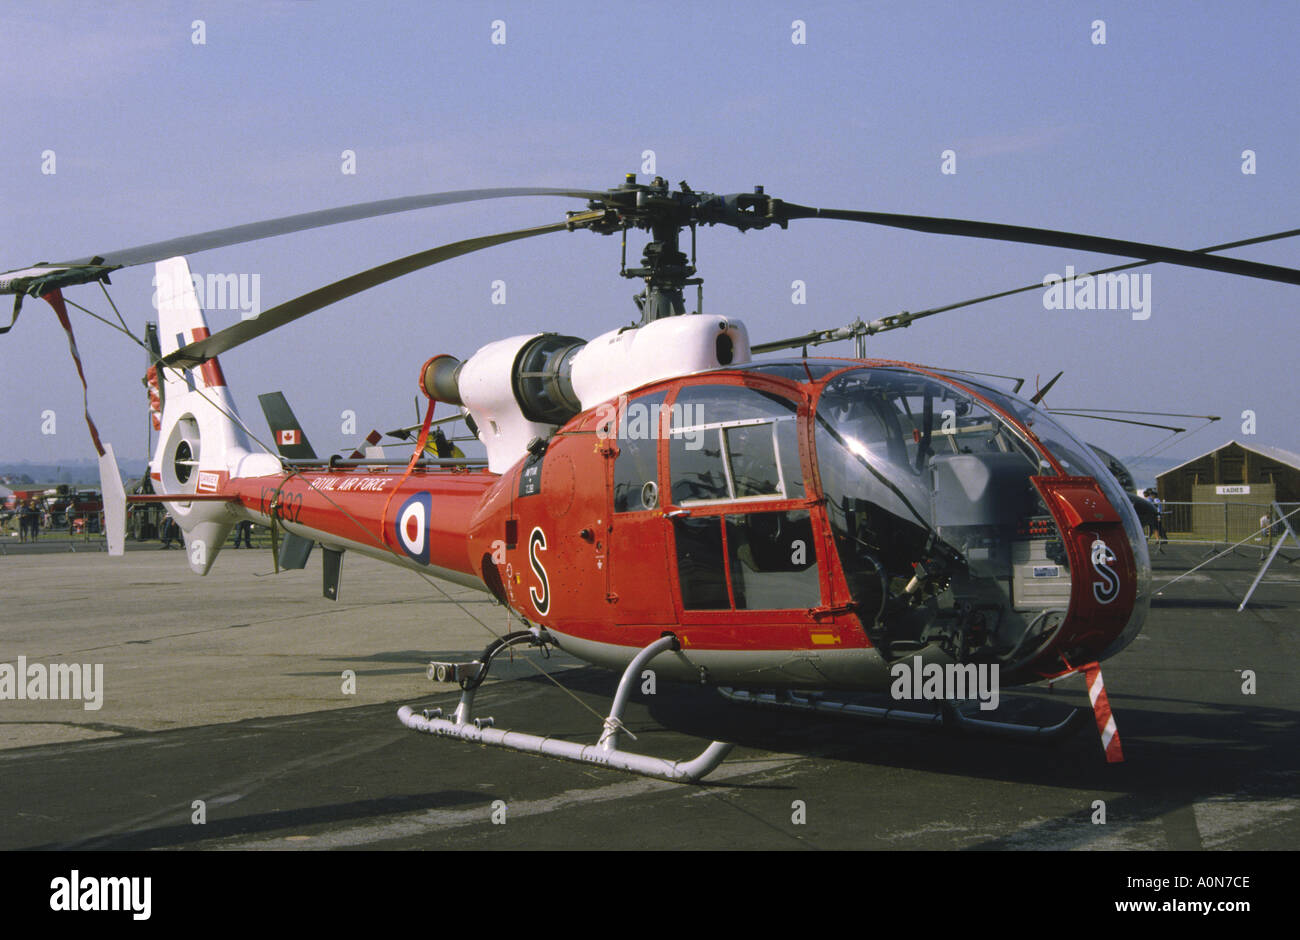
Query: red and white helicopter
point(777, 528)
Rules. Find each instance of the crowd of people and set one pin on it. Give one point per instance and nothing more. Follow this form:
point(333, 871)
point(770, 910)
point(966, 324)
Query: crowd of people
point(31, 519)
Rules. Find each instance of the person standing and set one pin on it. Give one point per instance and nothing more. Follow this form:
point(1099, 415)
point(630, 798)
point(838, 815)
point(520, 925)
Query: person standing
point(1161, 537)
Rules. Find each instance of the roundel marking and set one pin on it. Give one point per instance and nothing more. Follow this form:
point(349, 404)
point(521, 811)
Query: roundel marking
point(413, 527)
point(537, 542)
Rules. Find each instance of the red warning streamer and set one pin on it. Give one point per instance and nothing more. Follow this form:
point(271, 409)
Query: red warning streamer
point(1101, 709)
point(55, 299)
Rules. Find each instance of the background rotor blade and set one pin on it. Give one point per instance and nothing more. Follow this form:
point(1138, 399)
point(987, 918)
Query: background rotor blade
point(203, 350)
point(237, 234)
point(1051, 238)
point(1042, 392)
point(1144, 424)
point(1156, 414)
point(404, 434)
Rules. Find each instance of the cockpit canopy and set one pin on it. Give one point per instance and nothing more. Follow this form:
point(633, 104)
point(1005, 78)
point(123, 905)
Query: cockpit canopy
point(928, 486)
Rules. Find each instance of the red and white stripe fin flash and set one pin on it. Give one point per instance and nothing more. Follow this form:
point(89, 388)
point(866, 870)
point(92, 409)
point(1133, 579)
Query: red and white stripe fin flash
point(213, 377)
point(1101, 709)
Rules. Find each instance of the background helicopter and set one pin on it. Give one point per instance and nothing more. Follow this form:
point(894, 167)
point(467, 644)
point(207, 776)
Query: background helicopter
point(837, 518)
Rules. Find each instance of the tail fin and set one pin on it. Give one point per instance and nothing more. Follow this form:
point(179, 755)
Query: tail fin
point(201, 443)
point(291, 441)
point(287, 433)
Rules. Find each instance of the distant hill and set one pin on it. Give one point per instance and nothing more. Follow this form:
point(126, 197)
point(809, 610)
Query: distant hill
point(75, 472)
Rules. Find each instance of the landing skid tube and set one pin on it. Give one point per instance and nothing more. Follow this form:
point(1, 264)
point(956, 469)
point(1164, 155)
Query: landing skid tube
point(604, 752)
point(951, 714)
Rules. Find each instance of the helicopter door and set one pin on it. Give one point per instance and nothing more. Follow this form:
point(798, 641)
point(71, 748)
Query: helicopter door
point(638, 556)
point(742, 532)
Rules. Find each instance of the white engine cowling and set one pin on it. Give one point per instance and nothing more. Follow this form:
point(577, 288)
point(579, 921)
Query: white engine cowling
point(509, 384)
point(621, 360)
point(486, 385)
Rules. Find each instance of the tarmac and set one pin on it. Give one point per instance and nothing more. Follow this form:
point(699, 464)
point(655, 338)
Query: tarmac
point(245, 711)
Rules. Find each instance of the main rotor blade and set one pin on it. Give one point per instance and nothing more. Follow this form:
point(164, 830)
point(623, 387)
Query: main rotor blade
point(899, 320)
point(1289, 233)
point(238, 234)
point(46, 276)
point(199, 352)
point(1050, 238)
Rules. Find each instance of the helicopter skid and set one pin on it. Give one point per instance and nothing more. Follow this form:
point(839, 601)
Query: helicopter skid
point(951, 715)
point(604, 752)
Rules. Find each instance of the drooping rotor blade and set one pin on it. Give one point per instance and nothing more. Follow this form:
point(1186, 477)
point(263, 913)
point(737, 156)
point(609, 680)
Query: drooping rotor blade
point(199, 352)
point(1053, 239)
point(46, 275)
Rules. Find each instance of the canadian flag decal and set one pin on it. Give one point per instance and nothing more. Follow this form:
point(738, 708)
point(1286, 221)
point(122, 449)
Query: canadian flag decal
point(413, 527)
point(289, 437)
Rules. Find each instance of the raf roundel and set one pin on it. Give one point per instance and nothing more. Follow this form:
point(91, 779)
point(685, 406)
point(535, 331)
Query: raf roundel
point(412, 527)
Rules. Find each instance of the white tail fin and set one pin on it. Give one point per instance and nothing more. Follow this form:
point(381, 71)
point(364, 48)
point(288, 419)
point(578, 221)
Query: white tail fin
point(201, 443)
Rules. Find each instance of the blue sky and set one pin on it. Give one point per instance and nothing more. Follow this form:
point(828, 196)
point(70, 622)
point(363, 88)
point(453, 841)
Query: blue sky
point(1139, 138)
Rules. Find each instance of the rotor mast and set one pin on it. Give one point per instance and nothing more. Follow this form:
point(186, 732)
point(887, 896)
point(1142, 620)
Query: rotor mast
point(663, 212)
point(664, 266)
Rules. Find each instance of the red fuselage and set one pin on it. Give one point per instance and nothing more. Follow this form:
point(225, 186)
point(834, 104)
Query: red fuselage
point(711, 511)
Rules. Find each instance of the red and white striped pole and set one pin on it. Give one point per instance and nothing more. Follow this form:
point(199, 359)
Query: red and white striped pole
point(1101, 710)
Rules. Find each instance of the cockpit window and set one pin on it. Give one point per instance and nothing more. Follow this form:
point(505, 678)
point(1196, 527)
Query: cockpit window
point(905, 458)
point(728, 442)
point(1075, 459)
point(635, 473)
